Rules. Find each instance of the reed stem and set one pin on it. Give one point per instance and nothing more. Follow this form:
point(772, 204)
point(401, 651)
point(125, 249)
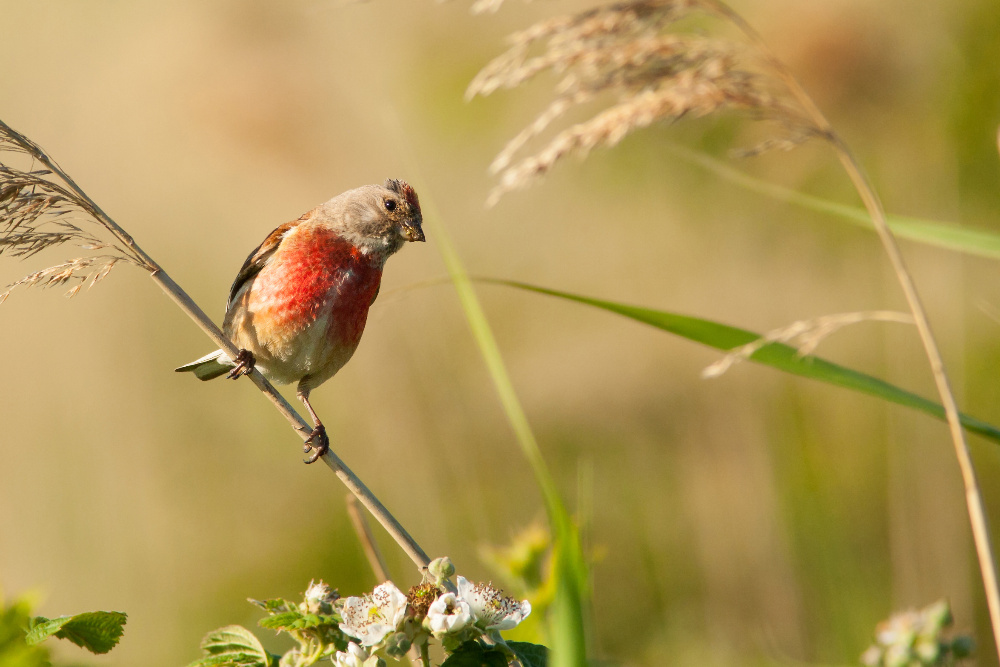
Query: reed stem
point(973, 494)
point(198, 316)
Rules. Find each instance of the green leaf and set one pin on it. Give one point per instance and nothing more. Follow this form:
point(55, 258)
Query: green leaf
point(280, 621)
point(569, 571)
point(96, 631)
point(41, 628)
point(234, 659)
point(472, 654)
point(569, 645)
point(14, 650)
point(530, 655)
point(943, 235)
point(777, 355)
point(296, 620)
point(233, 645)
point(270, 606)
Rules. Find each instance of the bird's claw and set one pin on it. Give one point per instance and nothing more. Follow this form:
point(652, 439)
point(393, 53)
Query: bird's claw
point(318, 442)
point(245, 362)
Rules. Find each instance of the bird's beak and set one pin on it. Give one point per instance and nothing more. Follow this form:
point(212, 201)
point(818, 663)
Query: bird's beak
point(411, 231)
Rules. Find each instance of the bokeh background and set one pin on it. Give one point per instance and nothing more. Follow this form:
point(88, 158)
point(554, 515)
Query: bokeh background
point(752, 519)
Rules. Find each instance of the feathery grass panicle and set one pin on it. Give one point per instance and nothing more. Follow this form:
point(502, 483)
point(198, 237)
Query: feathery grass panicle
point(37, 212)
point(806, 335)
point(94, 269)
point(483, 6)
point(623, 51)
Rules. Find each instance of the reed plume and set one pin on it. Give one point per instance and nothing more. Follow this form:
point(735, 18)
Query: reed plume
point(38, 210)
point(625, 53)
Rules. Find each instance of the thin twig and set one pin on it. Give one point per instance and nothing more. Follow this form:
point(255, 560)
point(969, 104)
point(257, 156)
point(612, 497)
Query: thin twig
point(367, 539)
point(973, 495)
point(181, 298)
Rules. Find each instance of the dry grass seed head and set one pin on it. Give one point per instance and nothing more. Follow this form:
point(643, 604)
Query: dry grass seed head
point(37, 213)
point(483, 6)
point(805, 335)
point(80, 269)
point(621, 51)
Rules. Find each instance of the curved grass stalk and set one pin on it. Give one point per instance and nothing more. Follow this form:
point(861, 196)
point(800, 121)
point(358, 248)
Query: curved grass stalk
point(136, 255)
point(973, 494)
point(623, 49)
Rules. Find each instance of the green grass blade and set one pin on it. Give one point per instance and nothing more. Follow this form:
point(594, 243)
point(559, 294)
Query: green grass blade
point(567, 635)
point(943, 235)
point(777, 355)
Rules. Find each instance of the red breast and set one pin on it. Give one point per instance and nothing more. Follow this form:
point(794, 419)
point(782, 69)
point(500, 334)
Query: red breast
point(315, 271)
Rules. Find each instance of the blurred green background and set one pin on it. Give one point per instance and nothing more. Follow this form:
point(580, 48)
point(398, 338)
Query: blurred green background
point(752, 519)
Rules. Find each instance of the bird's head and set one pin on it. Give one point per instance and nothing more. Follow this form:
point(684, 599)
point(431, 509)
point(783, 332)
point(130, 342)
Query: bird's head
point(378, 219)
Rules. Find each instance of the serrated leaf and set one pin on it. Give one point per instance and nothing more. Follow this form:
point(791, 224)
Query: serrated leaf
point(296, 620)
point(530, 655)
point(41, 628)
point(232, 645)
point(280, 621)
point(236, 659)
point(270, 606)
point(96, 631)
point(777, 355)
point(472, 654)
point(314, 621)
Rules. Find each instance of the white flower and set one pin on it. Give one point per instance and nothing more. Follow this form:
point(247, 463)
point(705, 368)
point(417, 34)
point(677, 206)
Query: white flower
point(370, 618)
point(491, 609)
point(448, 614)
point(354, 656)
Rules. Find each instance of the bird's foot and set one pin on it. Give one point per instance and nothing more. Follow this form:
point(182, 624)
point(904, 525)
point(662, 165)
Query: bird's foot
point(318, 443)
point(245, 362)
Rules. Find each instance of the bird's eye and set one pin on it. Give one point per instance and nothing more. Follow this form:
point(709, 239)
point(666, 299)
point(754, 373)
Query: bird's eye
point(390, 204)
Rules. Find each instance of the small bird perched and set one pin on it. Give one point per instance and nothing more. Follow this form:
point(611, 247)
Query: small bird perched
point(298, 307)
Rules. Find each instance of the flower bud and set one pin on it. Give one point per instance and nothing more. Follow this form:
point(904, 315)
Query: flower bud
point(397, 644)
point(441, 568)
point(319, 599)
point(962, 647)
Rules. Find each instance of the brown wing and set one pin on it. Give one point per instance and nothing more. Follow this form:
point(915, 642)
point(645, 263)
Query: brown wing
point(258, 259)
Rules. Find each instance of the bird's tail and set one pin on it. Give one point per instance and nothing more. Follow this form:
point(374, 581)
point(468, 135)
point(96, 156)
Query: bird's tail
point(210, 366)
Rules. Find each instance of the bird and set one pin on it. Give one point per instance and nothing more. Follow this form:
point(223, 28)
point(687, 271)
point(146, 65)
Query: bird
point(298, 307)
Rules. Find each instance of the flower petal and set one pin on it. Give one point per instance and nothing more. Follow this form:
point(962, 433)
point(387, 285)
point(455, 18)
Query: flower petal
point(448, 614)
point(490, 608)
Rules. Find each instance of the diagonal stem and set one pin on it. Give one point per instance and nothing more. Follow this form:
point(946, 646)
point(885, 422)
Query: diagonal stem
point(187, 304)
point(350, 480)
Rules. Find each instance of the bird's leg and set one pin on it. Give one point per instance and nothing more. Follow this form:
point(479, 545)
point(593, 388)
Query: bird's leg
point(317, 441)
point(244, 364)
